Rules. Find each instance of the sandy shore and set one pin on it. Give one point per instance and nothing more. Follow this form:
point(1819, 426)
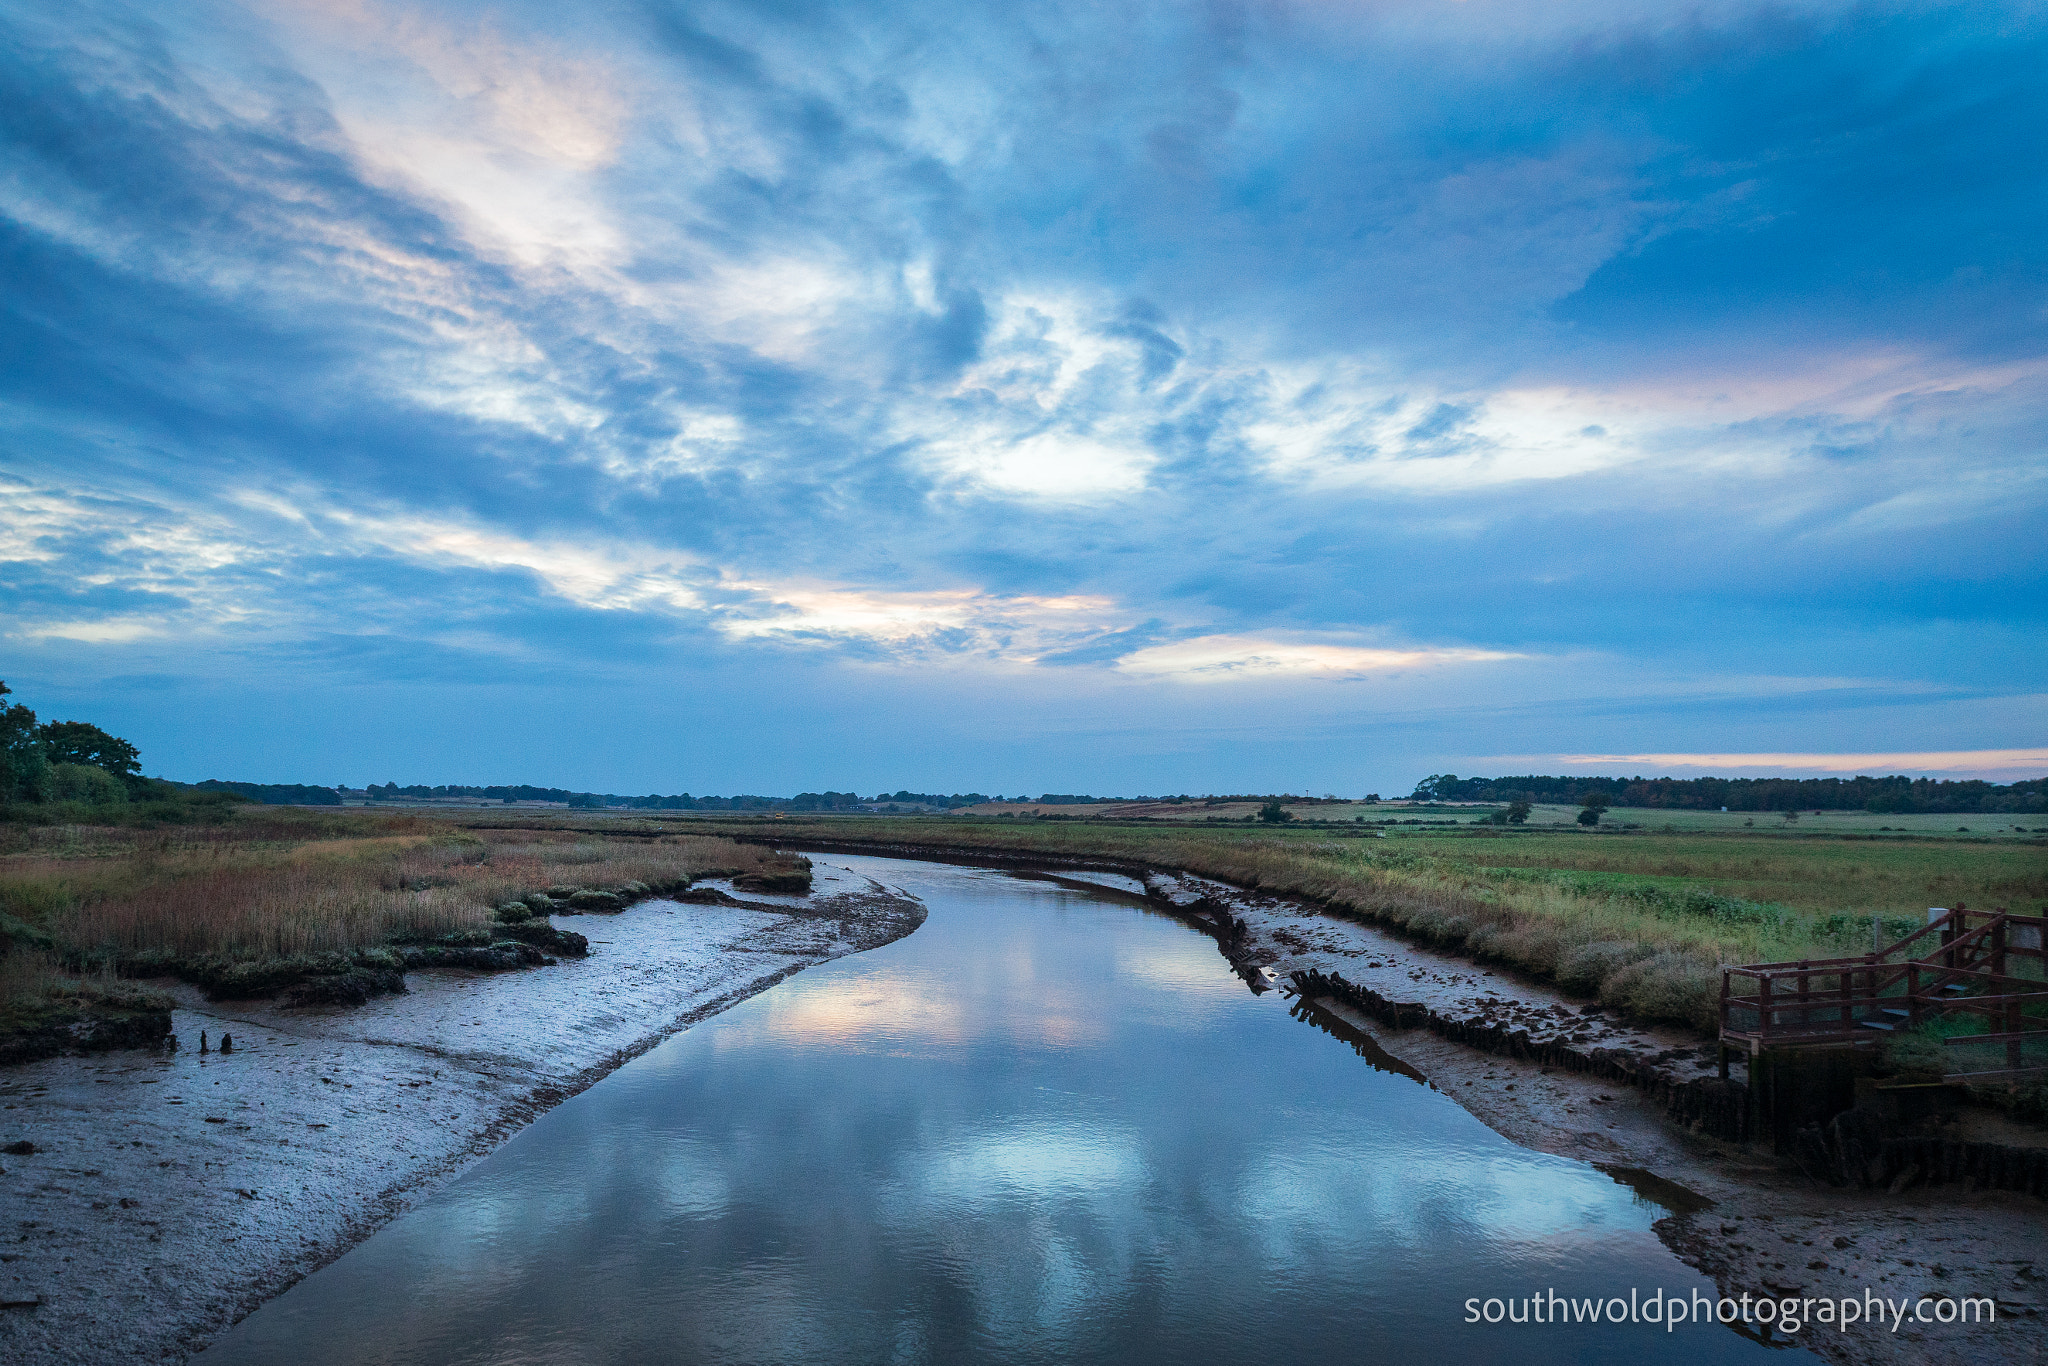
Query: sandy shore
point(170, 1196)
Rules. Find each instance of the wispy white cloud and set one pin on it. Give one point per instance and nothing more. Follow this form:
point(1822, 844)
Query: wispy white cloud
point(1210, 659)
point(1383, 341)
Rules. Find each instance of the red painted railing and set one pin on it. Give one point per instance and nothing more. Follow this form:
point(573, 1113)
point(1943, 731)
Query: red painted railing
point(1961, 963)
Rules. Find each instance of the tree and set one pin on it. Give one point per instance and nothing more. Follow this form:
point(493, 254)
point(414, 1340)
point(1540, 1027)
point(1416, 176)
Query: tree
point(76, 742)
point(24, 768)
point(1590, 815)
point(1272, 813)
point(1518, 812)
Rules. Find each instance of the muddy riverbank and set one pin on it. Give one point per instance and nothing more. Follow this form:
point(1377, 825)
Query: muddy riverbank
point(169, 1195)
point(1763, 1228)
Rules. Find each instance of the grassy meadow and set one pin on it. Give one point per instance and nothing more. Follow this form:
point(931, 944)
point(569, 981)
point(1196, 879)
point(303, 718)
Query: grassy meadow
point(1642, 919)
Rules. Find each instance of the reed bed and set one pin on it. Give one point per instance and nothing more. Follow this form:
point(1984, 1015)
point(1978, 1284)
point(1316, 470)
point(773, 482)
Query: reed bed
point(276, 885)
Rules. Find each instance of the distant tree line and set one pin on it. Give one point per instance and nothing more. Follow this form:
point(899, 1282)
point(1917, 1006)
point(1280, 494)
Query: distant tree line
point(653, 801)
point(271, 794)
point(1893, 795)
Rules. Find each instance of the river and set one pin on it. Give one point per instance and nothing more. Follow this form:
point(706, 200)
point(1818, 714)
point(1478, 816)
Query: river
point(1051, 1125)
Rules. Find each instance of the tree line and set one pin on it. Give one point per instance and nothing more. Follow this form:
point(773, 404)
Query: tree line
point(1896, 794)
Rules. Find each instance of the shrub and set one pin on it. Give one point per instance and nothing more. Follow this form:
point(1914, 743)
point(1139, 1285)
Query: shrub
point(1587, 968)
point(87, 784)
point(1668, 986)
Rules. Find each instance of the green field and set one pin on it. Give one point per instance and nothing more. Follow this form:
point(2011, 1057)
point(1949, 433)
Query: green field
point(1950, 827)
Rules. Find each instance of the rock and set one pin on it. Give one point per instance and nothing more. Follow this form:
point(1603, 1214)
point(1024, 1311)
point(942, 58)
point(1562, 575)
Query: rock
point(597, 901)
point(22, 1148)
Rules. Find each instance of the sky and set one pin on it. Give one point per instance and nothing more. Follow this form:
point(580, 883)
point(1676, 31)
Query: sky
point(1132, 397)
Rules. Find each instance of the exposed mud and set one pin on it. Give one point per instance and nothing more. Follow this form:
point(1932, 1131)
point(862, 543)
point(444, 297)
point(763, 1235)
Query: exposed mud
point(169, 1195)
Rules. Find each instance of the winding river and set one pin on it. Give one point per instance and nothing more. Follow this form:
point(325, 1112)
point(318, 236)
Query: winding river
point(1049, 1126)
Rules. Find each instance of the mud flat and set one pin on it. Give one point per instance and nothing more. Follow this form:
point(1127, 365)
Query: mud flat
point(168, 1196)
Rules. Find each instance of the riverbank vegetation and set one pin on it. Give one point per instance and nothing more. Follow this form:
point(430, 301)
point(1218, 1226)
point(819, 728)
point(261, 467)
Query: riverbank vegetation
point(1643, 921)
point(320, 905)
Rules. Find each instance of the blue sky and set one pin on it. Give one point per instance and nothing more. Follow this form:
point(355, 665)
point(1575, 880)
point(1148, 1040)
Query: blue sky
point(1140, 397)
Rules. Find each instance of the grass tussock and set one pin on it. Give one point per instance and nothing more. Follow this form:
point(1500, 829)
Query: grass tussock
point(38, 994)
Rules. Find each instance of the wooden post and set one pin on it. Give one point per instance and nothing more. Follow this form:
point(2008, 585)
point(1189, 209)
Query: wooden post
point(1763, 1004)
point(2011, 1013)
point(1913, 991)
point(1722, 1047)
point(1848, 981)
point(1805, 997)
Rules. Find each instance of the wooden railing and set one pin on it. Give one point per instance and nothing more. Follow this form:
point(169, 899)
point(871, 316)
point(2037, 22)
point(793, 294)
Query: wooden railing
point(1963, 962)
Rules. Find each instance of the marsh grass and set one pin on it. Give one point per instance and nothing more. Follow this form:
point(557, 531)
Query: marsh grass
point(1642, 922)
point(280, 884)
point(36, 988)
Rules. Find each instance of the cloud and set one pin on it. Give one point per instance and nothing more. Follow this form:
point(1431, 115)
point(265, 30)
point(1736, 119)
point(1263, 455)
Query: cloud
point(1220, 658)
point(1136, 343)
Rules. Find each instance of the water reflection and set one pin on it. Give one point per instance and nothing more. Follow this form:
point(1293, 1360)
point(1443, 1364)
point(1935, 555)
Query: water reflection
point(1047, 1126)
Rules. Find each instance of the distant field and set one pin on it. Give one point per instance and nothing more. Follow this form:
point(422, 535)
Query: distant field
point(1808, 823)
point(1964, 827)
